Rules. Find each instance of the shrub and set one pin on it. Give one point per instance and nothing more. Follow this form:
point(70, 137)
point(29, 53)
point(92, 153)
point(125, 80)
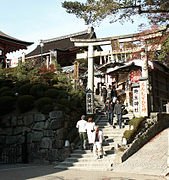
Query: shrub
point(130, 134)
point(25, 103)
point(38, 90)
point(8, 93)
point(136, 122)
point(40, 103)
point(3, 89)
point(24, 89)
point(46, 109)
point(52, 93)
point(6, 104)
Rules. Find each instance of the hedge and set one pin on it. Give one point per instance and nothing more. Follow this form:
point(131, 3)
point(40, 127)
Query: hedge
point(25, 103)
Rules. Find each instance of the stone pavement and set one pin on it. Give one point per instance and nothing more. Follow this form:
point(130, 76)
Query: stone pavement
point(49, 173)
point(150, 159)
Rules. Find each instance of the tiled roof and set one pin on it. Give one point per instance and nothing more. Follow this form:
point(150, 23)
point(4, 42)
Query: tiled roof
point(8, 38)
point(62, 43)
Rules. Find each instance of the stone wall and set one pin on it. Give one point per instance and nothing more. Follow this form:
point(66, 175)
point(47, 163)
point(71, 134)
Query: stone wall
point(36, 138)
point(154, 125)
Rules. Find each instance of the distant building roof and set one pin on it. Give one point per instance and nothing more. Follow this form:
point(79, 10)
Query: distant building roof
point(62, 43)
point(13, 44)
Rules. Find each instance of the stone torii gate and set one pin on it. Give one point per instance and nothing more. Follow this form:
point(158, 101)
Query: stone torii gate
point(90, 54)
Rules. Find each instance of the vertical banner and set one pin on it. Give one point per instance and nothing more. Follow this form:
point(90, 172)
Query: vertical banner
point(136, 101)
point(89, 102)
point(143, 98)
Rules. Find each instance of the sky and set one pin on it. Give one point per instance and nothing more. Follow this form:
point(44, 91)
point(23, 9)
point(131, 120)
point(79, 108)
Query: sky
point(33, 20)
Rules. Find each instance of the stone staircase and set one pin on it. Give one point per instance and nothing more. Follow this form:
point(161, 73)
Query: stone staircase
point(84, 159)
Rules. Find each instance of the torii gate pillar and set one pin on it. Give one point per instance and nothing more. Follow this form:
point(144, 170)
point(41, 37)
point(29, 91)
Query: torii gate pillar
point(90, 68)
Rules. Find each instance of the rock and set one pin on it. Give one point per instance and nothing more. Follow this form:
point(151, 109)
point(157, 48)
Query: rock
point(46, 143)
point(7, 131)
point(56, 124)
point(10, 139)
point(56, 114)
point(20, 139)
point(20, 122)
point(18, 130)
point(60, 133)
point(39, 126)
point(48, 133)
point(28, 119)
point(57, 144)
point(39, 117)
point(37, 136)
point(5, 121)
point(14, 121)
point(2, 139)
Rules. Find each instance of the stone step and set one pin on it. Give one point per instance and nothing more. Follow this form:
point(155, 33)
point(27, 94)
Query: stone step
point(84, 159)
point(109, 168)
point(94, 163)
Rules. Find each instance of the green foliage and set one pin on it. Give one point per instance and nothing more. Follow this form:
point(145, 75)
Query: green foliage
point(46, 108)
point(137, 125)
point(38, 90)
point(136, 122)
point(24, 89)
point(6, 104)
point(8, 93)
point(41, 102)
point(52, 93)
point(93, 11)
point(25, 103)
point(3, 89)
point(128, 134)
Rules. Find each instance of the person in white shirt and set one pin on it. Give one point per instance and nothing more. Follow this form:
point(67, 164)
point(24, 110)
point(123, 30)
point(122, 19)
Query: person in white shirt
point(81, 125)
point(97, 143)
point(90, 128)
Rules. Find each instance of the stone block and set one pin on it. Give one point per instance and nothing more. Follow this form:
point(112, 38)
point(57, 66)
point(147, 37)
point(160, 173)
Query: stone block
point(29, 137)
point(60, 133)
point(7, 131)
point(48, 133)
point(11, 140)
point(20, 122)
point(6, 121)
point(53, 155)
point(2, 139)
point(37, 136)
point(39, 126)
point(57, 144)
point(14, 121)
point(20, 139)
point(56, 114)
point(28, 119)
point(39, 117)
point(47, 125)
point(18, 130)
point(56, 124)
point(46, 143)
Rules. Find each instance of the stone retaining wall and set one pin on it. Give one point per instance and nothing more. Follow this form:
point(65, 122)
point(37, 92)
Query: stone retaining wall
point(154, 125)
point(39, 137)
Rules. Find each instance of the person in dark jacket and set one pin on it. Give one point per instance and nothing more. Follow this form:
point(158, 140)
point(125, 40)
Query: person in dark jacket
point(109, 111)
point(104, 93)
point(118, 111)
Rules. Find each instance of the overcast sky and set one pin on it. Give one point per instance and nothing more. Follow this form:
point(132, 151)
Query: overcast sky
point(32, 20)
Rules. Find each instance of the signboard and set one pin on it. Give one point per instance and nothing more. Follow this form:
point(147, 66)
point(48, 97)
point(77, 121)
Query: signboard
point(136, 100)
point(89, 102)
point(143, 98)
point(134, 75)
